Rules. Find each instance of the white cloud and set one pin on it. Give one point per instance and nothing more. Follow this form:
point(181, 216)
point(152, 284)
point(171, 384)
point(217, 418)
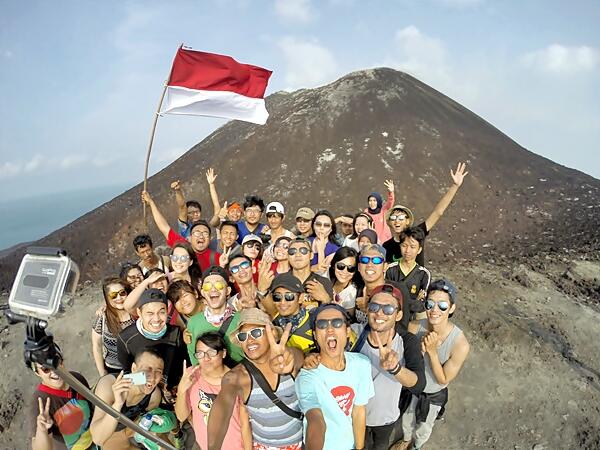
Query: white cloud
point(9, 169)
point(294, 10)
point(561, 59)
point(34, 164)
point(308, 64)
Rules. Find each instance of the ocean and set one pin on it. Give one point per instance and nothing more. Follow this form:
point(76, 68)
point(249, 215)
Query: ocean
point(29, 219)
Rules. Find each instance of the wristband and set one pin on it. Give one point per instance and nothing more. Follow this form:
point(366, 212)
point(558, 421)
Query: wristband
point(395, 370)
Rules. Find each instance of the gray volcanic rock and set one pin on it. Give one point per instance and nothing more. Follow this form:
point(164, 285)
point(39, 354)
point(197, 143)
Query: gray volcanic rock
point(330, 146)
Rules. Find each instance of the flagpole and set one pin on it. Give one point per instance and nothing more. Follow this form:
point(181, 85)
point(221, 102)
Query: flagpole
point(156, 116)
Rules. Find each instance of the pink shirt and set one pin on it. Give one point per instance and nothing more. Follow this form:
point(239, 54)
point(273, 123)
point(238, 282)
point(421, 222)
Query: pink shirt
point(379, 223)
point(200, 397)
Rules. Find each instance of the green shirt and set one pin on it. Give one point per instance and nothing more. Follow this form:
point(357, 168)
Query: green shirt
point(198, 325)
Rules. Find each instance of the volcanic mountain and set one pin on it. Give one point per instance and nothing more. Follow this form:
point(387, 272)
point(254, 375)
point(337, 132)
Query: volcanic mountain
point(329, 147)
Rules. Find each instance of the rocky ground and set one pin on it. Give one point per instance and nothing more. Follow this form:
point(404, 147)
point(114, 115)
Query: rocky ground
point(532, 380)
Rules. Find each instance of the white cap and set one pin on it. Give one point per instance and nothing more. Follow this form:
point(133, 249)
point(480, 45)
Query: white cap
point(251, 237)
point(275, 207)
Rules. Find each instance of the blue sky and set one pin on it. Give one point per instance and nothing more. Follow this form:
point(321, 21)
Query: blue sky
point(82, 79)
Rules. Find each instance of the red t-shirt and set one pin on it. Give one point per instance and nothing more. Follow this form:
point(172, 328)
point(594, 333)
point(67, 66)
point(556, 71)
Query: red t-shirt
point(205, 258)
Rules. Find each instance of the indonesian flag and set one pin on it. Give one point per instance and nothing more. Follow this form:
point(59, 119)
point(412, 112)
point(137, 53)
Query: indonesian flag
point(207, 84)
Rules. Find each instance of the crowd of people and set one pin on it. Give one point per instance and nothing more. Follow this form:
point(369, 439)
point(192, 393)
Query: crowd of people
point(332, 334)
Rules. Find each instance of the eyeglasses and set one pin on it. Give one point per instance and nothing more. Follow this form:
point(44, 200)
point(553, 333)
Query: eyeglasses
point(200, 233)
point(236, 269)
point(114, 294)
point(255, 245)
point(289, 297)
point(139, 276)
point(442, 305)
point(323, 224)
point(256, 333)
point(323, 324)
point(210, 353)
point(218, 285)
point(253, 211)
point(398, 217)
point(388, 310)
point(302, 250)
point(367, 259)
point(341, 266)
point(283, 245)
point(182, 258)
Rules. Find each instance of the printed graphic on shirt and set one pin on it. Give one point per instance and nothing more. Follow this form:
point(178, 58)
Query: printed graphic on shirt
point(344, 396)
point(73, 420)
point(205, 403)
point(413, 289)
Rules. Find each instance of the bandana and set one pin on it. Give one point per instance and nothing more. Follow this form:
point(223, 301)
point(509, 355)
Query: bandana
point(379, 199)
point(217, 319)
point(294, 320)
point(149, 334)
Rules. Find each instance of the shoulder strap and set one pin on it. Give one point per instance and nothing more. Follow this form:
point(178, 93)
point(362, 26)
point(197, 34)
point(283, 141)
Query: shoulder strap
point(211, 258)
point(225, 325)
point(264, 385)
point(70, 393)
point(361, 339)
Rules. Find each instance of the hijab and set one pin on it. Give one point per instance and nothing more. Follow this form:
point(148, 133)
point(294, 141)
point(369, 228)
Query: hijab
point(379, 199)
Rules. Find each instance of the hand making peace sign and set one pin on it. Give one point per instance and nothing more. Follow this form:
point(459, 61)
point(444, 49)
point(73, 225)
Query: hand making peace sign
point(388, 358)
point(281, 358)
point(44, 421)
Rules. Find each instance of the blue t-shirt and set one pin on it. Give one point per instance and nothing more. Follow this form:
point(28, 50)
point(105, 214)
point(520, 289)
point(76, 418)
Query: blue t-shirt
point(243, 230)
point(329, 249)
point(184, 228)
point(335, 392)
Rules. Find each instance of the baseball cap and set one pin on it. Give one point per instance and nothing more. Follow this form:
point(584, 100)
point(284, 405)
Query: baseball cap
point(369, 234)
point(444, 286)
point(215, 270)
point(275, 207)
point(250, 238)
point(380, 249)
point(305, 213)
point(152, 296)
point(252, 316)
point(234, 205)
point(288, 281)
point(411, 216)
point(389, 289)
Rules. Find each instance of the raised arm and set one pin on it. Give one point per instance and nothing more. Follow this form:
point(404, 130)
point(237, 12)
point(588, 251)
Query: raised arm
point(180, 199)
point(131, 302)
point(220, 413)
point(389, 184)
point(103, 425)
point(211, 177)
point(438, 211)
point(159, 219)
point(444, 374)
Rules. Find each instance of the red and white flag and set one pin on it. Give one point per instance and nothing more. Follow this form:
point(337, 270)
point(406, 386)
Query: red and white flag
point(207, 84)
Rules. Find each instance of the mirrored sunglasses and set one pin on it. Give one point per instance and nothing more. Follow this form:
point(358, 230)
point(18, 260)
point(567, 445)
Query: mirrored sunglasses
point(367, 259)
point(288, 296)
point(388, 310)
point(181, 258)
point(114, 294)
point(398, 217)
point(207, 286)
point(242, 265)
point(323, 324)
point(442, 305)
point(302, 250)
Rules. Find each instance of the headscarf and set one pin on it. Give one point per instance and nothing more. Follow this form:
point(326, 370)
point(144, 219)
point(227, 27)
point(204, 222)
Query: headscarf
point(379, 199)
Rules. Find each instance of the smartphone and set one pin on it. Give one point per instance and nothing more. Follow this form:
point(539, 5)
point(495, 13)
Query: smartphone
point(136, 377)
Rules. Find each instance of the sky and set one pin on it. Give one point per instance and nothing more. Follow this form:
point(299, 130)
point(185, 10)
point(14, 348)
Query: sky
point(81, 80)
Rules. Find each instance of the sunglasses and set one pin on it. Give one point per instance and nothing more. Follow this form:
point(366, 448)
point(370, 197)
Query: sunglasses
point(240, 266)
point(182, 258)
point(442, 305)
point(210, 353)
point(302, 250)
point(207, 286)
point(255, 245)
point(323, 324)
point(341, 266)
point(388, 310)
point(256, 333)
point(273, 214)
point(398, 217)
point(114, 294)
point(283, 246)
point(288, 296)
point(367, 259)
point(323, 224)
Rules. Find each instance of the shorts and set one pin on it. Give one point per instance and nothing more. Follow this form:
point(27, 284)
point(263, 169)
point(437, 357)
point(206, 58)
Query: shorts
point(258, 446)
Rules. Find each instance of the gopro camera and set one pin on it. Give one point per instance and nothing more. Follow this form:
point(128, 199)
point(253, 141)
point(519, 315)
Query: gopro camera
point(44, 276)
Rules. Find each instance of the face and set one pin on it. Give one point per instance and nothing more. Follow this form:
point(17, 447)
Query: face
point(283, 305)
point(162, 284)
point(322, 226)
point(331, 340)
point(372, 203)
point(253, 214)
point(144, 252)
point(116, 295)
point(180, 266)
point(361, 224)
point(379, 321)
point(242, 275)
point(209, 362)
point(364, 241)
point(154, 316)
point(200, 238)
point(193, 214)
point(186, 303)
point(254, 348)
point(342, 274)
point(436, 315)
point(228, 236)
point(281, 250)
point(251, 249)
point(153, 367)
point(398, 221)
point(275, 220)
point(299, 260)
point(134, 277)
point(234, 214)
point(346, 227)
point(303, 225)
point(49, 377)
point(372, 272)
point(410, 248)
point(214, 291)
